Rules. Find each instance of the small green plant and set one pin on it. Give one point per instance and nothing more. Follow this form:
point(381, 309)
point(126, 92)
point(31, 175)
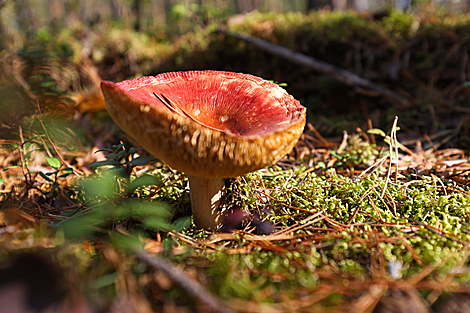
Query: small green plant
point(379, 132)
point(116, 197)
point(356, 153)
point(61, 171)
point(278, 83)
point(122, 158)
point(25, 150)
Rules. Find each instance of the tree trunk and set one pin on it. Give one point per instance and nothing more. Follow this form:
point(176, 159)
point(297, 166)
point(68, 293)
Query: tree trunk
point(57, 12)
point(116, 9)
point(137, 12)
point(245, 6)
point(25, 18)
point(318, 4)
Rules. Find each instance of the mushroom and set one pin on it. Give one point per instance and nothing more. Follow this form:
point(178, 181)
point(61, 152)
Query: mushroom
point(210, 125)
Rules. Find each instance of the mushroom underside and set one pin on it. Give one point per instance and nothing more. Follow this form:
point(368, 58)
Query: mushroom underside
point(211, 125)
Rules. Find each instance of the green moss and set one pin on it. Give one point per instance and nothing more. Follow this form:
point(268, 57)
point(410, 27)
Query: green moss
point(431, 218)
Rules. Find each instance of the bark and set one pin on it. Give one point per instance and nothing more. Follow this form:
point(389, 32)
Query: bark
point(137, 13)
point(317, 4)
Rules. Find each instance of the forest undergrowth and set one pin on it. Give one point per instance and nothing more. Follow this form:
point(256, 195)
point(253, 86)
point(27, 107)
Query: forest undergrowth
point(369, 211)
point(323, 228)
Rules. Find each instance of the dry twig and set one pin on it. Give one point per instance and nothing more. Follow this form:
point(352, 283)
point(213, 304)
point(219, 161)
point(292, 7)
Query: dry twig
point(339, 74)
point(192, 288)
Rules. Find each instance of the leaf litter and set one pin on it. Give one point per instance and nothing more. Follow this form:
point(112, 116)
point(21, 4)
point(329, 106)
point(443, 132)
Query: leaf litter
point(348, 222)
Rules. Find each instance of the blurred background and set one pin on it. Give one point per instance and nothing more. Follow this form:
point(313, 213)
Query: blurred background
point(54, 53)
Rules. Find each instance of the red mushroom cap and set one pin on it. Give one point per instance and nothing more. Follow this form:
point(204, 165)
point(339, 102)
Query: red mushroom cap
point(207, 123)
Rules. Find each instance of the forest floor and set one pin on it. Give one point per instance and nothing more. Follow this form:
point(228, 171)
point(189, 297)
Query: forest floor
point(375, 218)
point(344, 225)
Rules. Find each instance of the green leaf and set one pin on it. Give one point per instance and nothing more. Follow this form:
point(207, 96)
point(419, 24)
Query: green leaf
point(46, 177)
point(157, 223)
point(2, 180)
point(104, 150)
point(116, 156)
point(50, 93)
point(111, 156)
point(46, 84)
point(104, 281)
point(144, 180)
point(121, 172)
point(104, 163)
point(146, 209)
point(167, 245)
point(142, 160)
point(55, 163)
point(129, 243)
point(117, 147)
point(135, 149)
point(32, 138)
point(26, 146)
point(12, 166)
point(29, 152)
point(66, 172)
point(82, 226)
point(127, 145)
point(102, 187)
point(376, 131)
point(277, 83)
point(181, 223)
point(387, 141)
point(55, 186)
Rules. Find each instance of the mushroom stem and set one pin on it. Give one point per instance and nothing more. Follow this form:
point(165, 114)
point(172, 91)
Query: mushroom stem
point(206, 194)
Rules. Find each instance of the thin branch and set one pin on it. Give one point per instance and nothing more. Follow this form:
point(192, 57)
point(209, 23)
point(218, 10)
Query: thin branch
point(341, 75)
point(394, 129)
point(38, 116)
point(194, 289)
point(394, 139)
point(344, 142)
